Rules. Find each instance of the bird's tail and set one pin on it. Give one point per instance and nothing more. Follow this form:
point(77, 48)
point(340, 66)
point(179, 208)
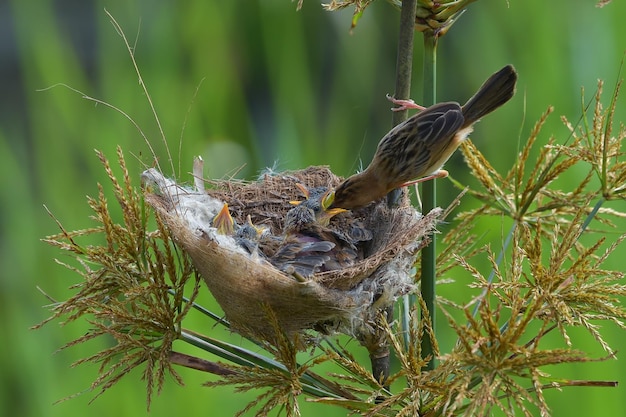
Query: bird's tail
point(494, 92)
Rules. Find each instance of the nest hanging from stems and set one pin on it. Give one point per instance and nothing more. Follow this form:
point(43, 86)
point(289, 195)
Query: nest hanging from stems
point(346, 300)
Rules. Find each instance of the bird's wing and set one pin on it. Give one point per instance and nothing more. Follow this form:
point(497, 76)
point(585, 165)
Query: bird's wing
point(407, 151)
point(304, 258)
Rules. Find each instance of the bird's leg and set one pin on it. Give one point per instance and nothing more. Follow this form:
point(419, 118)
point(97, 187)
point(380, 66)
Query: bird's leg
point(442, 173)
point(404, 104)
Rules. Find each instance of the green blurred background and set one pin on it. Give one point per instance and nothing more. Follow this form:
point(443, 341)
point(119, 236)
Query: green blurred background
point(255, 83)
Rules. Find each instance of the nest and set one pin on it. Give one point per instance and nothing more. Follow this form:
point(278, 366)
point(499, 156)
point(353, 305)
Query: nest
point(346, 300)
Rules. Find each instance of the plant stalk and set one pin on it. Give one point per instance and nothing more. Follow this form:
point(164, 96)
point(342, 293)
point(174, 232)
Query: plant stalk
point(429, 193)
point(404, 68)
point(404, 63)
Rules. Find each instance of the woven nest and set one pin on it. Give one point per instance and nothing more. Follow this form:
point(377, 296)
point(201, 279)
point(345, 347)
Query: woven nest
point(345, 300)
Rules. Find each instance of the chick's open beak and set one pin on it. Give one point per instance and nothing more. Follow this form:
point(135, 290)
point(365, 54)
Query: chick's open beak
point(326, 213)
point(304, 190)
point(328, 199)
point(224, 222)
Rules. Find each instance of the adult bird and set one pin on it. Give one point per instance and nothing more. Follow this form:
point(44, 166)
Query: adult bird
point(416, 149)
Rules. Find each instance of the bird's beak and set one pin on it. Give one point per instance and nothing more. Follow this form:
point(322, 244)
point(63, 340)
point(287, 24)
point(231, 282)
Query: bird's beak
point(335, 211)
point(328, 199)
point(326, 215)
point(224, 222)
point(329, 213)
point(304, 191)
point(249, 220)
point(259, 230)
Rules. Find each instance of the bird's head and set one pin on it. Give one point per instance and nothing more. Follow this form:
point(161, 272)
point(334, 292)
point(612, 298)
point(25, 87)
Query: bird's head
point(318, 201)
point(354, 192)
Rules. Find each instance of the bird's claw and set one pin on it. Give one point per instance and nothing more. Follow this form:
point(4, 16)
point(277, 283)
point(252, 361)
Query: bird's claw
point(404, 104)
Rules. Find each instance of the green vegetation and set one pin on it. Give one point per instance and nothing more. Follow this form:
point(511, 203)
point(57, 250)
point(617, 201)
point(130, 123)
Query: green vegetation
point(257, 82)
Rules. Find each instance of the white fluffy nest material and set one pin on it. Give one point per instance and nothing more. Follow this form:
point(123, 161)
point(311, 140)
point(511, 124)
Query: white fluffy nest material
point(346, 300)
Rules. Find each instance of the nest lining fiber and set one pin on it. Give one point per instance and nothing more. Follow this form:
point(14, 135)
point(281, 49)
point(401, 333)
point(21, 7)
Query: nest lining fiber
point(346, 300)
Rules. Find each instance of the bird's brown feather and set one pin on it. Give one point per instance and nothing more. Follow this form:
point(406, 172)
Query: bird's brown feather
point(419, 146)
